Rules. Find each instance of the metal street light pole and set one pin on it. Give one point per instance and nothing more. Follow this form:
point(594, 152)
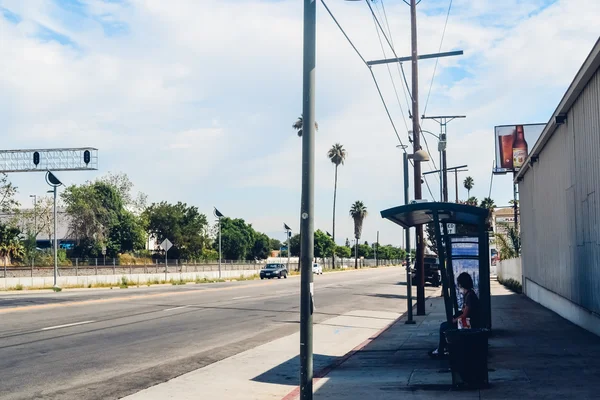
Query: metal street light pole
point(34, 229)
point(307, 204)
point(53, 181)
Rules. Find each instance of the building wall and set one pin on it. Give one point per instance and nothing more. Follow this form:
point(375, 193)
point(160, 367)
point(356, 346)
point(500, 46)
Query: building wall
point(560, 207)
point(510, 269)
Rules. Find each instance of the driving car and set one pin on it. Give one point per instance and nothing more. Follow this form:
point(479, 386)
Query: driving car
point(317, 269)
point(271, 271)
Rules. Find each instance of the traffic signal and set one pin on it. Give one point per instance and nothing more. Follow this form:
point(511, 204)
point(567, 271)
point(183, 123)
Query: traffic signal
point(36, 158)
point(86, 157)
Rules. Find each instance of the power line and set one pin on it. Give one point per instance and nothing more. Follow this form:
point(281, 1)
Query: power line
point(370, 70)
point(399, 66)
point(391, 77)
point(391, 44)
point(437, 60)
point(388, 42)
point(376, 84)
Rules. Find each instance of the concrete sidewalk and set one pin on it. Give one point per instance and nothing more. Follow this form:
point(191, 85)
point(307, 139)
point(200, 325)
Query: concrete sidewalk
point(534, 353)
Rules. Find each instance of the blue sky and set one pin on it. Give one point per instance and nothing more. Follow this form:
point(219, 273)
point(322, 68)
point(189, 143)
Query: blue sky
point(195, 100)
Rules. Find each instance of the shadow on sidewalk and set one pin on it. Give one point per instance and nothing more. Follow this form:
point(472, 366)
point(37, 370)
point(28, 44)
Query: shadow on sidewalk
point(533, 353)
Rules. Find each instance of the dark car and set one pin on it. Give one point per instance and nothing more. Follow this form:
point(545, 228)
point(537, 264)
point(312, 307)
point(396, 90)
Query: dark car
point(274, 271)
point(432, 271)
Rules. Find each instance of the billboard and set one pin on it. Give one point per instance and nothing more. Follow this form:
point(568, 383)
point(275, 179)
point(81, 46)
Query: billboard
point(512, 145)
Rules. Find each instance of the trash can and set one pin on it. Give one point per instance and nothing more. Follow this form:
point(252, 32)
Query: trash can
point(468, 357)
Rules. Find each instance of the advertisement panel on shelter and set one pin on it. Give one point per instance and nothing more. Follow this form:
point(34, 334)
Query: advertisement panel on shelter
point(467, 247)
point(513, 143)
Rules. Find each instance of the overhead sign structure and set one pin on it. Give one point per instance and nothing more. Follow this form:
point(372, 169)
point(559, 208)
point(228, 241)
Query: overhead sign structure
point(41, 160)
point(512, 145)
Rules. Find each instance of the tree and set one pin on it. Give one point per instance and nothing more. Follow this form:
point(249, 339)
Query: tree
point(7, 195)
point(509, 245)
point(239, 241)
point(275, 244)
point(261, 249)
point(364, 250)
point(343, 251)
point(358, 212)
point(487, 203)
point(324, 245)
point(295, 245)
point(299, 124)
point(183, 225)
point(337, 156)
point(469, 183)
point(121, 182)
point(10, 245)
point(472, 201)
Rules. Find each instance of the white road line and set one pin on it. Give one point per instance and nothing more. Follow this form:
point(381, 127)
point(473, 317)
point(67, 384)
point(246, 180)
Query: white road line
point(240, 297)
point(66, 325)
point(176, 308)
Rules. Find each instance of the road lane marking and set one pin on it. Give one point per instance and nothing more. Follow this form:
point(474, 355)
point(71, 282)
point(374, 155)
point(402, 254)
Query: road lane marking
point(241, 297)
point(151, 295)
point(66, 325)
point(176, 308)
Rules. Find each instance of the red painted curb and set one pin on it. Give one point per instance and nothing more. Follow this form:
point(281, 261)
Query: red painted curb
point(320, 374)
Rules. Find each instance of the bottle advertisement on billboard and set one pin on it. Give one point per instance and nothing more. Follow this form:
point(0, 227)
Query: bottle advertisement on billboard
point(513, 143)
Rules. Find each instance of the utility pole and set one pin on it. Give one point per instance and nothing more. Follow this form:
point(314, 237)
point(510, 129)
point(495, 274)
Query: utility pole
point(307, 203)
point(417, 164)
point(443, 121)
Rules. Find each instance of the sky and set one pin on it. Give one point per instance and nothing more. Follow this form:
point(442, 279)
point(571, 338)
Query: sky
point(195, 100)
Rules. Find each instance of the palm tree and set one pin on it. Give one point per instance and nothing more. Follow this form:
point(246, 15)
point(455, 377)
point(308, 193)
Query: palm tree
point(299, 123)
point(488, 203)
point(337, 155)
point(473, 201)
point(358, 212)
point(469, 183)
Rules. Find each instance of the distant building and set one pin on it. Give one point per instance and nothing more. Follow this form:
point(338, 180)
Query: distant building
point(502, 219)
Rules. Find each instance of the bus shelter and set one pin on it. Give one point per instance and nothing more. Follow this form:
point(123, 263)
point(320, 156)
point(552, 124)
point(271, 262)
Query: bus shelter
point(464, 248)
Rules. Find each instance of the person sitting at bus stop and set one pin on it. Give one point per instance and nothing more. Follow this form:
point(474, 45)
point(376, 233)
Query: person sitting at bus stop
point(470, 310)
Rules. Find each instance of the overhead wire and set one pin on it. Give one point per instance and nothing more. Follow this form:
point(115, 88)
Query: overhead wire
point(390, 42)
point(376, 83)
point(399, 65)
point(391, 77)
point(437, 60)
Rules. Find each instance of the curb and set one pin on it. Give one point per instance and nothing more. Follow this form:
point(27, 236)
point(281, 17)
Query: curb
point(322, 373)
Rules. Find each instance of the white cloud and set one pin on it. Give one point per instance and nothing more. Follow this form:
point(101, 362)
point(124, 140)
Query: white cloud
point(195, 100)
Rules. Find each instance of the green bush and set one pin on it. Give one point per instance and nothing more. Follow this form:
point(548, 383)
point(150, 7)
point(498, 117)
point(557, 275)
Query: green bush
point(512, 285)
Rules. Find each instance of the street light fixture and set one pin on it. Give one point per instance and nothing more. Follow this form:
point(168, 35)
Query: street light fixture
point(219, 215)
point(54, 182)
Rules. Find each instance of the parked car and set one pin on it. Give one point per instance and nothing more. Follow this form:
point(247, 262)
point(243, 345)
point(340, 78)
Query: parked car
point(432, 271)
point(317, 269)
point(274, 271)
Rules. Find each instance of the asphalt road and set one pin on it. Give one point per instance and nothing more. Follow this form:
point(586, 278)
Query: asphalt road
point(105, 344)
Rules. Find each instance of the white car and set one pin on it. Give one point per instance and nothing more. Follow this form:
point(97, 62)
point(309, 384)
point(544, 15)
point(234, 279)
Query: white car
point(317, 269)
